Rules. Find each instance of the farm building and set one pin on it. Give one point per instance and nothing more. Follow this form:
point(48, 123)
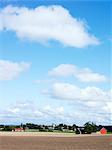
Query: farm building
point(19, 130)
point(103, 131)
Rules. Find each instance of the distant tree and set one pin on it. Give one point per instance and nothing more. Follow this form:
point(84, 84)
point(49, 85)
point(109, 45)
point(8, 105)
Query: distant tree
point(60, 127)
point(70, 127)
point(21, 125)
point(8, 128)
point(65, 126)
point(1, 126)
point(90, 127)
point(74, 127)
point(77, 131)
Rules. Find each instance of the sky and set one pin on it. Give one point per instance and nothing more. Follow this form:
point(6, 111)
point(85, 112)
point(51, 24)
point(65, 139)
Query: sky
point(55, 62)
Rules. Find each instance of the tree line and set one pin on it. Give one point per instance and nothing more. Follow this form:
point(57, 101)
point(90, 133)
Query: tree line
point(87, 128)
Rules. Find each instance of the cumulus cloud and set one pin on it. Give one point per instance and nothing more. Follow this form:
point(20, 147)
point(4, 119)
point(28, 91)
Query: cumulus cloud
point(46, 23)
point(10, 70)
point(31, 111)
point(68, 91)
point(90, 100)
point(56, 112)
point(28, 111)
point(82, 74)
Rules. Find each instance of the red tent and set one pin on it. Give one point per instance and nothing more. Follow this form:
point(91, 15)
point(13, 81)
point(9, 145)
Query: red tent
point(103, 131)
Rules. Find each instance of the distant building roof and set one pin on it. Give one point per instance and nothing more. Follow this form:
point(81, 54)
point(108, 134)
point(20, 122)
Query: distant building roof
point(19, 129)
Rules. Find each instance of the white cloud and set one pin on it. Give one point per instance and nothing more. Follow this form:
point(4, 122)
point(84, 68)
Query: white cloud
point(14, 110)
point(108, 107)
point(58, 111)
point(89, 104)
point(30, 112)
point(10, 70)
point(46, 23)
point(67, 91)
point(63, 70)
point(82, 74)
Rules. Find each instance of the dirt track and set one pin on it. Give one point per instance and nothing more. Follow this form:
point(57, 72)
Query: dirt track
point(55, 143)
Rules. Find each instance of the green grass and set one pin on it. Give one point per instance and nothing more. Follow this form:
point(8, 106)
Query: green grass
point(109, 132)
point(31, 130)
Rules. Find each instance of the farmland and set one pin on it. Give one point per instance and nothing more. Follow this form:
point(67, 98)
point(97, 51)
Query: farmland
point(21, 141)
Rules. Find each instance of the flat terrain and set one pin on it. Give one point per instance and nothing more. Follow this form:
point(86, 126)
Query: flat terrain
point(47, 142)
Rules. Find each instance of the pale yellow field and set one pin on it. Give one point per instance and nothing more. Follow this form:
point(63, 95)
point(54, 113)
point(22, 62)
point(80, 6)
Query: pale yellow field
point(55, 134)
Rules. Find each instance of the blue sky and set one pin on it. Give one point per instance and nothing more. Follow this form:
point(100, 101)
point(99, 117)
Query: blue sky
point(55, 60)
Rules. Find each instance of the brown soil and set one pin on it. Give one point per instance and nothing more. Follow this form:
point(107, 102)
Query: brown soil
point(55, 143)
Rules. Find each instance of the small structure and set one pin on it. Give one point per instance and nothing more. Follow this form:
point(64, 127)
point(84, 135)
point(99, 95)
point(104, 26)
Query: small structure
point(19, 130)
point(103, 131)
point(79, 130)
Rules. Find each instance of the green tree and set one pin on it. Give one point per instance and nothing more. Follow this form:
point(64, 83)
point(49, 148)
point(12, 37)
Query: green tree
point(90, 127)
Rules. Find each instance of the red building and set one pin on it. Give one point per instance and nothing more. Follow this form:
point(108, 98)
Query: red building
point(19, 129)
point(103, 131)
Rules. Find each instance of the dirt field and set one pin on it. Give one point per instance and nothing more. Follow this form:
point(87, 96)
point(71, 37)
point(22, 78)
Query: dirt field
point(55, 143)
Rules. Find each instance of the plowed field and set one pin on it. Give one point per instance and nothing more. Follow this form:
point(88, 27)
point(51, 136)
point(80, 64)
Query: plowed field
point(55, 143)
